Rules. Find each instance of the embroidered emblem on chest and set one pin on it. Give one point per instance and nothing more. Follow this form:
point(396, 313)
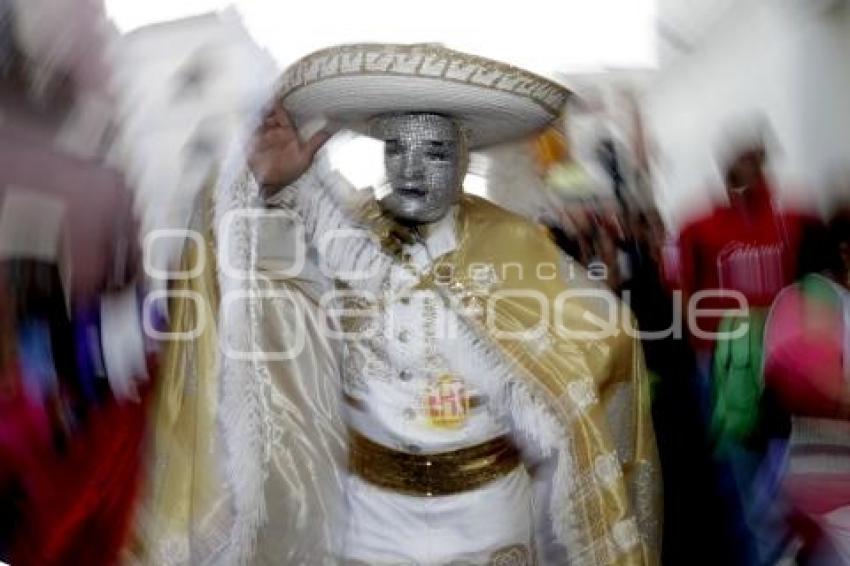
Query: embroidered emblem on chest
point(447, 402)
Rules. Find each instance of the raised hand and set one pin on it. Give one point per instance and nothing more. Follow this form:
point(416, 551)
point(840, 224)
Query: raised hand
point(278, 156)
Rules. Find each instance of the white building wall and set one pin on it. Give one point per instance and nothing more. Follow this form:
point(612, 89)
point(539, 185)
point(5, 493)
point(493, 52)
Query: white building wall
point(785, 59)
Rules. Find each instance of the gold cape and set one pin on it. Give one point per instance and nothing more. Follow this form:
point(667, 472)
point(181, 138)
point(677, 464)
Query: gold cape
point(181, 481)
point(582, 364)
point(594, 385)
point(189, 506)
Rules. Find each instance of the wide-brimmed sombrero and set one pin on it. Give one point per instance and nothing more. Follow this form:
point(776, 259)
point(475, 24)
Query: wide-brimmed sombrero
point(347, 85)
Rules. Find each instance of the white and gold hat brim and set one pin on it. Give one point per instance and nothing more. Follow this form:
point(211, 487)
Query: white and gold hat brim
point(348, 85)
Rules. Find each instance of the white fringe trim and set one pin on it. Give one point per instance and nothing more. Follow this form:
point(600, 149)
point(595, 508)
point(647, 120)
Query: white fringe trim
point(534, 422)
point(246, 426)
point(242, 424)
point(348, 251)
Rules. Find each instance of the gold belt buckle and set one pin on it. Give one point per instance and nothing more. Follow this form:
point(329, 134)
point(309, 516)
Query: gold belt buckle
point(432, 474)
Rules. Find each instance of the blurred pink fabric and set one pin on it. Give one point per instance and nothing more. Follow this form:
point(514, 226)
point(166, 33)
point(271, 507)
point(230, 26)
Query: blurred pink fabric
point(99, 220)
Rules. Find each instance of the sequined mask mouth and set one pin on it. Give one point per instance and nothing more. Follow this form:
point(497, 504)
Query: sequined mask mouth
point(413, 191)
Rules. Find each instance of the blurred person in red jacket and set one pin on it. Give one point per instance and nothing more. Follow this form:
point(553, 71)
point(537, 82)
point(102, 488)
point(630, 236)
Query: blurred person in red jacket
point(734, 261)
point(748, 245)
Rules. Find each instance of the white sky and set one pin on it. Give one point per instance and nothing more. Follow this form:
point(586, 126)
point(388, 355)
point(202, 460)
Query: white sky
point(542, 35)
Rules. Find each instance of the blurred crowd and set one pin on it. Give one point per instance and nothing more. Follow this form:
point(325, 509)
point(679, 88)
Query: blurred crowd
point(745, 310)
point(750, 401)
point(74, 362)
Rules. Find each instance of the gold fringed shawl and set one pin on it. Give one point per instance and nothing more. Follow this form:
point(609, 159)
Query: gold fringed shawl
point(592, 381)
point(182, 489)
point(246, 457)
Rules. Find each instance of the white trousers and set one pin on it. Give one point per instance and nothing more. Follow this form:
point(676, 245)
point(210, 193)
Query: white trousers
point(386, 527)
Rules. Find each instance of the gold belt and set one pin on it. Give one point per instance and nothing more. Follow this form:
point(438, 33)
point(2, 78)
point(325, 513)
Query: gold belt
point(425, 475)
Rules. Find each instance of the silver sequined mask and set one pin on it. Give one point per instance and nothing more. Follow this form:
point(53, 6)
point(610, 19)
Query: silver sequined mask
point(424, 157)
